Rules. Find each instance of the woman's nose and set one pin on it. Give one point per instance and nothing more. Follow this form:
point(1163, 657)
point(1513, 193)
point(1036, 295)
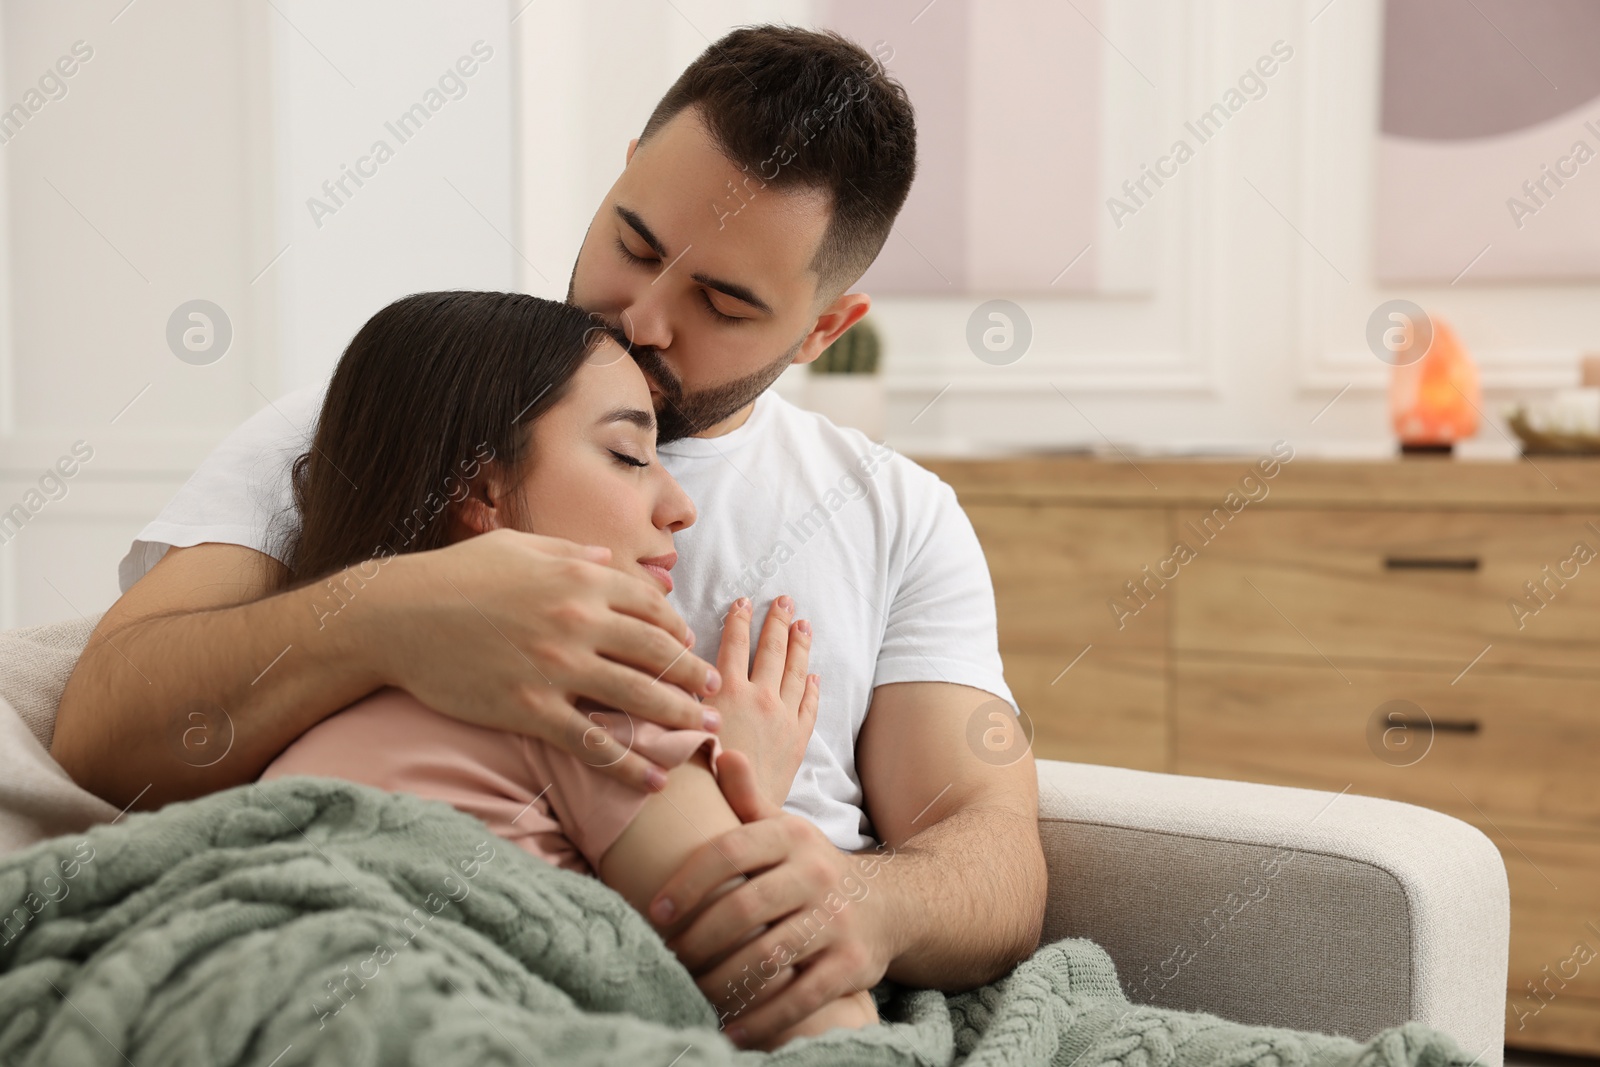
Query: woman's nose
point(674, 510)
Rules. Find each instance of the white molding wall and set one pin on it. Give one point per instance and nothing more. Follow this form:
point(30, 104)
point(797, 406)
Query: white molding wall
point(1262, 280)
point(179, 164)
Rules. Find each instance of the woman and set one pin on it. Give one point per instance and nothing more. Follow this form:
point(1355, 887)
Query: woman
point(455, 414)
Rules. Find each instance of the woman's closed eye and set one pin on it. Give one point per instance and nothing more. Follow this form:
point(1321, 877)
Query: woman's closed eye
point(627, 460)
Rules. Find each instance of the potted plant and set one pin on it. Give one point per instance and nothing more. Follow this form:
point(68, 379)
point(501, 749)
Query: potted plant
point(844, 383)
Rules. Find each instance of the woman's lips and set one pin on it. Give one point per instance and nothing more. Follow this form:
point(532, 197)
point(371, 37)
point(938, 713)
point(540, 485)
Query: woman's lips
point(658, 566)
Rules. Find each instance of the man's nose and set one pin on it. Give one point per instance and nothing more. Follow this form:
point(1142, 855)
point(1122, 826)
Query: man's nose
point(646, 322)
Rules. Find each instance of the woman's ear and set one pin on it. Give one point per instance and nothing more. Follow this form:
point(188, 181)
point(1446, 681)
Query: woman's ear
point(483, 507)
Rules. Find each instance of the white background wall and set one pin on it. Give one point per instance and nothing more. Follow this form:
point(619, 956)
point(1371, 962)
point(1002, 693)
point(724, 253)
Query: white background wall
point(1262, 247)
point(179, 165)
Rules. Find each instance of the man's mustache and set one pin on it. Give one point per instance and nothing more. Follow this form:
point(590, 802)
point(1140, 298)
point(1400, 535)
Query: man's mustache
point(648, 358)
point(656, 369)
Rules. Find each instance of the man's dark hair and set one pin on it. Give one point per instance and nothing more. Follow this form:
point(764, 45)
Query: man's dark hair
point(800, 109)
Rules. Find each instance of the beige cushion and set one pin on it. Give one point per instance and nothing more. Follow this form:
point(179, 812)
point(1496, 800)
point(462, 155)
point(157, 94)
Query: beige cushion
point(35, 663)
point(37, 799)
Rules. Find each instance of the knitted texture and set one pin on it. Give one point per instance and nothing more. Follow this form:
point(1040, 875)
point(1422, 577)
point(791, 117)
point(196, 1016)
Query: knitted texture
point(314, 921)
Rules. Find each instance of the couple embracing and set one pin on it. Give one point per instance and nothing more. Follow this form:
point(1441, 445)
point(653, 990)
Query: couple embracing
point(490, 563)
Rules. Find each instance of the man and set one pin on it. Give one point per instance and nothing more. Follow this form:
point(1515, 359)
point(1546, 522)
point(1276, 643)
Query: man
point(761, 188)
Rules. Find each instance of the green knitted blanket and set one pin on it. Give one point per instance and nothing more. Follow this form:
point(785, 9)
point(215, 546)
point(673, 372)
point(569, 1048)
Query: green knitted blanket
point(311, 921)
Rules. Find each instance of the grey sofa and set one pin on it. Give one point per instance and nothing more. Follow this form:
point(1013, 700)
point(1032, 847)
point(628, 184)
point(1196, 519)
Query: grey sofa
point(1318, 911)
point(1289, 907)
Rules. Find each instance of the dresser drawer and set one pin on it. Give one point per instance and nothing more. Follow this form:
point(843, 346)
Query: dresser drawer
point(1393, 585)
point(1567, 1024)
point(1108, 708)
point(1555, 940)
point(1517, 749)
point(1055, 568)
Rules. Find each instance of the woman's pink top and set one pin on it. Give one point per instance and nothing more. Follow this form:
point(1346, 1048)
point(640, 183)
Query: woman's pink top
point(528, 791)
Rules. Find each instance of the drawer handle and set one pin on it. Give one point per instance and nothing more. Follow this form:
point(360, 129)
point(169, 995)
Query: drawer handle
point(1430, 563)
point(1444, 726)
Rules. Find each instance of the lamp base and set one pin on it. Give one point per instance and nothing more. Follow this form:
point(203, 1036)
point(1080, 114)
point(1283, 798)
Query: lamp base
point(1408, 448)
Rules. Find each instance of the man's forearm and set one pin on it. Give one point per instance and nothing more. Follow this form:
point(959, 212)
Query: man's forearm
point(963, 899)
point(178, 705)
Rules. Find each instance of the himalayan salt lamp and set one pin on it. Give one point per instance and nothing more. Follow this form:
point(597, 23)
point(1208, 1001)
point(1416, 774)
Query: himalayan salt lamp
point(1433, 402)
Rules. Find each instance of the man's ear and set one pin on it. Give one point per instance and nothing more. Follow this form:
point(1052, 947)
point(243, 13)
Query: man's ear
point(633, 144)
point(835, 319)
point(483, 507)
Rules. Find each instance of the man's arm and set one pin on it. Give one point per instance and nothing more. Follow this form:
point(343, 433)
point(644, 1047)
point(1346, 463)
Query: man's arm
point(954, 900)
point(195, 679)
point(961, 878)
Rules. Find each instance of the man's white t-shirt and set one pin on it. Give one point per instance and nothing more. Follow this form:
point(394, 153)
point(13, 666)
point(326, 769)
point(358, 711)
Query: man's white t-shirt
point(874, 550)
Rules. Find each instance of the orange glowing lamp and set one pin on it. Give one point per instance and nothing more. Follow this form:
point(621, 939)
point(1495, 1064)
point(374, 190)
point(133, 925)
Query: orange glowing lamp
point(1434, 401)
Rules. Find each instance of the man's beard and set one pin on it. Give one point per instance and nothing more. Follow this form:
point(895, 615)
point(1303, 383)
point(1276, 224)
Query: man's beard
point(686, 414)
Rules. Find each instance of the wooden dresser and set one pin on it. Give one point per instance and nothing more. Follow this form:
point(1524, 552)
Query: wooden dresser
point(1422, 629)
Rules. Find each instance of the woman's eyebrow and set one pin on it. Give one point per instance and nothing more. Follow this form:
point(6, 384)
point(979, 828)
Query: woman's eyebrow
point(645, 420)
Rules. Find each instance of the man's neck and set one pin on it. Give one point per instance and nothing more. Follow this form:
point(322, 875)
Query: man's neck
point(729, 424)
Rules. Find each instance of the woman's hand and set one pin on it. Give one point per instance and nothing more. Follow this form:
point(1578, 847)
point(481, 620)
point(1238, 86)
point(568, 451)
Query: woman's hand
point(768, 709)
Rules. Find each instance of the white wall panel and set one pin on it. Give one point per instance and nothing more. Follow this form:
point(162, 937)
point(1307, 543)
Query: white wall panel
point(178, 165)
point(180, 160)
point(1249, 276)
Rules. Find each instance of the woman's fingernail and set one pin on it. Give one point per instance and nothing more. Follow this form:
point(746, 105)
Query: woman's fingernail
point(786, 603)
point(711, 721)
point(662, 910)
point(741, 605)
point(656, 779)
point(713, 680)
point(691, 640)
point(737, 1035)
point(804, 627)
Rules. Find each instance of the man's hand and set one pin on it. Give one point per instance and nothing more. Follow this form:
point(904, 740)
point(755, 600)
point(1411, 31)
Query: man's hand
point(826, 934)
point(954, 900)
point(505, 629)
point(549, 625)
point(769, 708)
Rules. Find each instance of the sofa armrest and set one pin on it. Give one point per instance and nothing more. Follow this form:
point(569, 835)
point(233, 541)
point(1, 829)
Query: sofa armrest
point(1285, 907)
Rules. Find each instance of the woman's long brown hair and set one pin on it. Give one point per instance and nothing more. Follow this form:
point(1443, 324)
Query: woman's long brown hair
point(430, 388)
